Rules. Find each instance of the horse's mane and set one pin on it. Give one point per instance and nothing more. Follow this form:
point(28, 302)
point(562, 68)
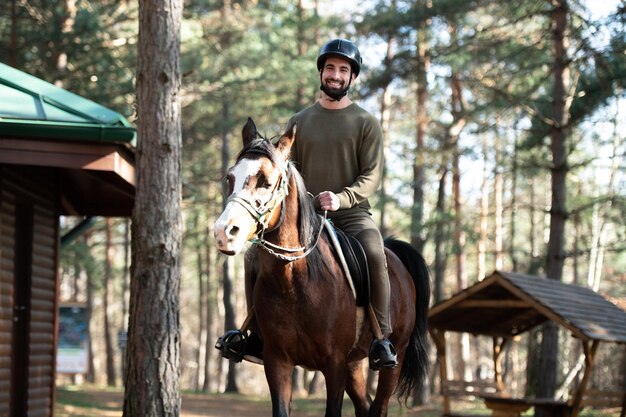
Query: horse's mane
point(309, 222)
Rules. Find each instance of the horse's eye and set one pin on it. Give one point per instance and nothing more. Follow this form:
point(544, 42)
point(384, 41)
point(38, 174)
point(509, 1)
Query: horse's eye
point(262, 182)
point(228, 185)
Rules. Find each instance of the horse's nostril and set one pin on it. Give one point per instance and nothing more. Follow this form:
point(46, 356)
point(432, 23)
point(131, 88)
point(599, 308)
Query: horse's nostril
point(231, 231)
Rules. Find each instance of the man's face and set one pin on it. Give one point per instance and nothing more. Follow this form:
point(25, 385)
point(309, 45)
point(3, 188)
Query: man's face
point(336, 74)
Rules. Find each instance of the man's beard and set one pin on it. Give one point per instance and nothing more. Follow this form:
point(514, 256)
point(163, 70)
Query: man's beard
point(333, 92)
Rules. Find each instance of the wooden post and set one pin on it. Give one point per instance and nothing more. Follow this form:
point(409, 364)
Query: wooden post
point(439, 337)
point(498, 353)
point(590, 354)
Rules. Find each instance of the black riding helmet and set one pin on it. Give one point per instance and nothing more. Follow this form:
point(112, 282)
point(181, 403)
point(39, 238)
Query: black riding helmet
point(344, 49)
point(341, 48)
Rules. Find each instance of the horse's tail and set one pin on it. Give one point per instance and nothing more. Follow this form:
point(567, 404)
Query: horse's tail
point(415, 364)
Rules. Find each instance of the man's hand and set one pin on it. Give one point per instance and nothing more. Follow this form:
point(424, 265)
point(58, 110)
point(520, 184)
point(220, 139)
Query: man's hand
point(328, 201)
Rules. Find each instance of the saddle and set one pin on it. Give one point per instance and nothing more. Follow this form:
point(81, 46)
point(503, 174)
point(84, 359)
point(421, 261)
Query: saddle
point(352, 257)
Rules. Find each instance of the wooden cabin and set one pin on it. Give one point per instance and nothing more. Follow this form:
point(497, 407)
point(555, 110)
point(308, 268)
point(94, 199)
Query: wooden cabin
point(505, 305)
point(60, 154)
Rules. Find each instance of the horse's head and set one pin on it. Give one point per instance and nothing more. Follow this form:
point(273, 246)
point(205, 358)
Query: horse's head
point(257, 185)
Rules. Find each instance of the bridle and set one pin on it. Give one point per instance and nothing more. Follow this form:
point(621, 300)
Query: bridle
point(262, 214)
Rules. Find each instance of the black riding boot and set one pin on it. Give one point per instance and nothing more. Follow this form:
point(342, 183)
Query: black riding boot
point(236, 345)
point(382, 355)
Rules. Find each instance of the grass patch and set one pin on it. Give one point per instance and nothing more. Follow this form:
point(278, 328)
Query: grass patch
point(80, 401)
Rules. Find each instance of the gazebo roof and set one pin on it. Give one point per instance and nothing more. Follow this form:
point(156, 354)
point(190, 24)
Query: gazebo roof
point(35, 108)
point(90, 146)
point(506, 304)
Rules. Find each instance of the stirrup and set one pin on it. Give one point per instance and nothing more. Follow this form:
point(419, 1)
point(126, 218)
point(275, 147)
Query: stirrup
point(382, 355)
point(232, 345)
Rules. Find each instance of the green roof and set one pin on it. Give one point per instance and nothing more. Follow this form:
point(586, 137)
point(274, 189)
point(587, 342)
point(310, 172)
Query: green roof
point(30, 107)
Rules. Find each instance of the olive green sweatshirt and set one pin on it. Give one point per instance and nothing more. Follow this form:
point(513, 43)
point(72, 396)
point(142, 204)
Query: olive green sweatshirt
point(339, 151)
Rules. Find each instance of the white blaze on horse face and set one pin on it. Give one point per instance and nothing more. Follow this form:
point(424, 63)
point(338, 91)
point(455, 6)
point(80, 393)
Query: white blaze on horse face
point(235, 226)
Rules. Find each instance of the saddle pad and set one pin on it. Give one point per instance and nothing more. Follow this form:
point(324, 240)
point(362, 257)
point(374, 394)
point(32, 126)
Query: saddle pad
point(356, 262)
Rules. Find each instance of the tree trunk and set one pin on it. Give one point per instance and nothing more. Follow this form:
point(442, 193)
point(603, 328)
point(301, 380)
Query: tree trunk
point(13, 49)
point(152, 385)
point(440, 233)
point(599, 218)
point(297, 381)
point(558, 143)
point(202, 331)
point(125, 295)
point(461, 346)
point(385, 116)
point(210, 296)
point(106, 296)
point(229, 309)
point(513, 229)
point(558, 211)
point(91, 373)
point(418, 238)
point(315, 386)
point(458, 123)
point(498, 206)
point(60, 52)
point(484, 213)
point(301, 42)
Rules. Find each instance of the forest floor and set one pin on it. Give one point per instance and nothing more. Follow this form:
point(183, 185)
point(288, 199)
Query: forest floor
point(89, 401)
point(93, 401)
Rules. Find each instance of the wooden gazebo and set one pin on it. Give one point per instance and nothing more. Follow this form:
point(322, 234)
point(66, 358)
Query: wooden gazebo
point(60, 154)
point(507, 304)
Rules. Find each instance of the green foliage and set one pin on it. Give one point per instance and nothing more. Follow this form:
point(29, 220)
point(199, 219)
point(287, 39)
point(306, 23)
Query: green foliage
point(89, 51)
point(257, 58)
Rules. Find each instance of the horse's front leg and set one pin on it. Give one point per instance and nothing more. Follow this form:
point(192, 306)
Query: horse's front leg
point(356, 388)
point(387, 383)
point(278, 374)
point(335, 387)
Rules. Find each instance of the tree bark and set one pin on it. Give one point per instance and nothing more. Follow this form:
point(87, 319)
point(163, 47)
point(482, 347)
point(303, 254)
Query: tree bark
point(210, 296)
point(440, 233)
point(558, 211)
point(228, 294)
point(202, 331)
point(418, 238)
point(513, 225)
point(91, 372)
point(106, 297)
point(125, 295)
point(152, 376)
point(498, 206)
point(385, 119)
point(484, 213)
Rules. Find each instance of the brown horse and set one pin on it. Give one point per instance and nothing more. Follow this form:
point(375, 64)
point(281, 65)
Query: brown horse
point(304, 307)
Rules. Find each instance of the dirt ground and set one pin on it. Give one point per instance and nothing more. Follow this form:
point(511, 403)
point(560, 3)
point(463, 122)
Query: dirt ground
point(94, 402)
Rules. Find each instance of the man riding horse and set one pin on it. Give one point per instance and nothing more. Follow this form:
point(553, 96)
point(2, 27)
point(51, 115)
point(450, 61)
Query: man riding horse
point(339, 152)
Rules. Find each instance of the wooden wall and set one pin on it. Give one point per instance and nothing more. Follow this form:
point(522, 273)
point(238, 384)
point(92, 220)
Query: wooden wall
point(28, 289)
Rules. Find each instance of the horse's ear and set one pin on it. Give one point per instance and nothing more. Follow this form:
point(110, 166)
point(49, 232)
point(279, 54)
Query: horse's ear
point(249, 132)
point(286, 140)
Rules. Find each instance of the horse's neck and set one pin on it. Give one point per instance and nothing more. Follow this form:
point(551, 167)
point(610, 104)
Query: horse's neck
point(287, 234)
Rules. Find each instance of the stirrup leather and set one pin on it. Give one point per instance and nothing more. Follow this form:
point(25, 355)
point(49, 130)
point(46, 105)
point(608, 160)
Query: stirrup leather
point(232, 345)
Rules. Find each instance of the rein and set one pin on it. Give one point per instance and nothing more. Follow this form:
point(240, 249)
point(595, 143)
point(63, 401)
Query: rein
point(268, 246)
